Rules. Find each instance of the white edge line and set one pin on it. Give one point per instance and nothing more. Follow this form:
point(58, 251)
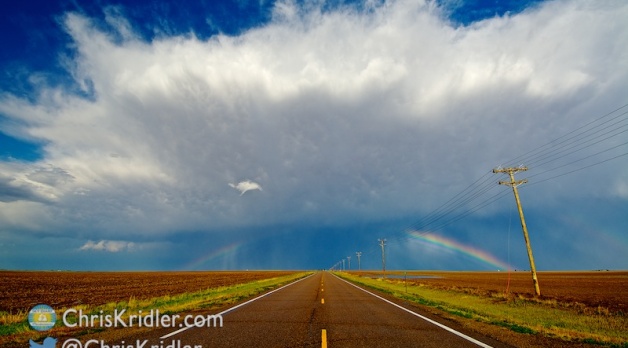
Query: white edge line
point(460, 334)
point(238, 306)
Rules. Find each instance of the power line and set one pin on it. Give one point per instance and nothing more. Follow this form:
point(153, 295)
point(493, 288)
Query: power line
point(579, 169)
point(582, 159)
point(452, 205)
point(523, 157)
point(580, 146)
point(572, 142)
point(472, 210)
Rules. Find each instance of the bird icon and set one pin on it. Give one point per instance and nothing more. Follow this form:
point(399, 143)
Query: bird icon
point(49, 342)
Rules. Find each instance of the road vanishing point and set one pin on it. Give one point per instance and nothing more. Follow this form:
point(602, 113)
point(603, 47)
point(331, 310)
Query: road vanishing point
point(322, 310)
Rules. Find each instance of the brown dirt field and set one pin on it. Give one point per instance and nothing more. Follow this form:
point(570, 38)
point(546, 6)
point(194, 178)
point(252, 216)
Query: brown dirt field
point(20, 290)
point(593, 289)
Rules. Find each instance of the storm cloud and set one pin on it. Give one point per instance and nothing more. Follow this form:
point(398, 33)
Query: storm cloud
point(347, 115)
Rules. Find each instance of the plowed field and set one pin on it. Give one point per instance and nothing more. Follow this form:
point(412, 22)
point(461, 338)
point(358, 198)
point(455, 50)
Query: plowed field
point(20, 291)
point(606, 289)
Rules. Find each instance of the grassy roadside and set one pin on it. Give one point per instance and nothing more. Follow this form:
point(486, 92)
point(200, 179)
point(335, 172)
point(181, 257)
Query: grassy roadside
point(520, 315)
point(14, 327)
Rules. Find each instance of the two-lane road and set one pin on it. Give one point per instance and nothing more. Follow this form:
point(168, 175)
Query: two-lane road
point(322, 310)
point(355, 318)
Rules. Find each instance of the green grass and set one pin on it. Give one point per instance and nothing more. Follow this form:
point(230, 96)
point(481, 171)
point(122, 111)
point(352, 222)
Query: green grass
point(520, 315)
point(11, 324)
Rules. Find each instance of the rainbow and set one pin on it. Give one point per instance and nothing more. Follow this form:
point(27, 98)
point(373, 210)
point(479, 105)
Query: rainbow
point(214, 254)
point(450, 244)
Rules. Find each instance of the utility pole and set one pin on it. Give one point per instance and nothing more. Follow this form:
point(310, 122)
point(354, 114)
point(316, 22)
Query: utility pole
point(512, 183)
point(349, 258)
point(358, 254)
point(382, 243)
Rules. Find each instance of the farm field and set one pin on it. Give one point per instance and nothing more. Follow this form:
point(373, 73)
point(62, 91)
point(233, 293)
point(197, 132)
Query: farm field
point(577, 309)
point(169, 292)
point(21, 290)
point(606, 290)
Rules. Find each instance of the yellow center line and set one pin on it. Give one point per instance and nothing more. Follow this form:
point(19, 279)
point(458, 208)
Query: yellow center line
point(324, 339)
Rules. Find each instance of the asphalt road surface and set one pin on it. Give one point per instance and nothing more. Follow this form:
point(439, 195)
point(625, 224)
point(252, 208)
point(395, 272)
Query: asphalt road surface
point(321, 310)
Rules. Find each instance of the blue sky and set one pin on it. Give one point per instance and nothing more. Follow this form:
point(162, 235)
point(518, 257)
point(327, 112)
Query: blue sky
point(129, 131)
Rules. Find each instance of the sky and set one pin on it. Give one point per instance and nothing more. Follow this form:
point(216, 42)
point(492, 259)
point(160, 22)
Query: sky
point(292, 134)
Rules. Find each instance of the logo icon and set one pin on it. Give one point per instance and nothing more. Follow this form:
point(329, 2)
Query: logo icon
point(49, 342)
point(42, 317)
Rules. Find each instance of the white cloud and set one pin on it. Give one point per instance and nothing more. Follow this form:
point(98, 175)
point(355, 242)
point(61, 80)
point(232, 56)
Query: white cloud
point(246, 185)
point(111, 246)
point(343, 115)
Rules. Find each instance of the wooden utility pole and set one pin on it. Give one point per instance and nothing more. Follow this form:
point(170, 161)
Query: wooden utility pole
point(512, 183)
point(382, 243)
